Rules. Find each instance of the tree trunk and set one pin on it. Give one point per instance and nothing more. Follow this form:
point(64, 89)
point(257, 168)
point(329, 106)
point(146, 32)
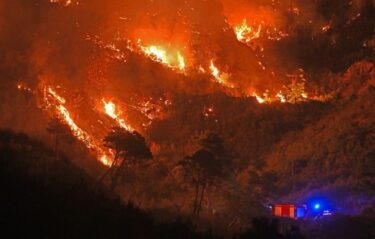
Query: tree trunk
point(115, 173)
point(114, 178)
point(111, 168)
point(115, 159)
point(200, 201)
point(195, 200)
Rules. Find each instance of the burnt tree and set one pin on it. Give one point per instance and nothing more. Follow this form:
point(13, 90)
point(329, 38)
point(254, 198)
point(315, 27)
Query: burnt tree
point(128, 147)
point(60, 132)
point(202, 169)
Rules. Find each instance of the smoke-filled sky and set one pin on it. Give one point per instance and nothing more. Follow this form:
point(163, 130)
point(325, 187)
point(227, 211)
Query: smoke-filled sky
point(94, 47)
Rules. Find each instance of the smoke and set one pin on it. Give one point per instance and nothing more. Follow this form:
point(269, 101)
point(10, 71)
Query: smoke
point(82, 46)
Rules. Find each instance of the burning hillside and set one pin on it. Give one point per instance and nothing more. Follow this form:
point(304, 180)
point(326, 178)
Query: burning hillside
point(235, 81)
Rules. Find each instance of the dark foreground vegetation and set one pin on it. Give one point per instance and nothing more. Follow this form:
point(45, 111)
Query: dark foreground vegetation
point(54, 199)
point(50, 198)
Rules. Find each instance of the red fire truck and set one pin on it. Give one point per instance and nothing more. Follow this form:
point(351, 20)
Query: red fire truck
point(289, 210)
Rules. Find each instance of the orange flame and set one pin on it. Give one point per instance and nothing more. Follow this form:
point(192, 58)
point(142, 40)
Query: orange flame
point(112, 112)
point(22, 87)
point(80, 134)
point(65, 2)
point(326, 27)
point(56, 96)
point(221, 78)
point(259, 99)
point(160, 54)
point(281, 97)
point(246, 33)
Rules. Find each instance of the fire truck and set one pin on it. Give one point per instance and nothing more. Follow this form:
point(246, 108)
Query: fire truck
point(289, 210)
point(293, 211)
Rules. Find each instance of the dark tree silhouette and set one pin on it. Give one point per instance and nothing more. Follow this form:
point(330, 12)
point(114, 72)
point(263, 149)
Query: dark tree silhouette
point(205, 167)
point(128, 146)
point(270, 229)
point(67, 206)
point(202, 170)
point(60, 131)
point(212, 142)
point(215, 144)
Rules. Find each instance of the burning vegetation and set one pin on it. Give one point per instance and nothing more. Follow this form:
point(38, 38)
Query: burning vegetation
point(223, 95)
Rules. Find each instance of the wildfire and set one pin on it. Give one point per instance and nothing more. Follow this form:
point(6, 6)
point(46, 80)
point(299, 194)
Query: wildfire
point(105, 159)
point(287, 95)
point(171, 59)
point(246, 33)
point(281, 97)
point(64, 2)
point(23, 87)
point(181, 61)
point(58, 104)
point(221, 78)
point(149, 107)
point(78, 132)
point(158, 52)
point(259, 99)
point(326, 28)
point(110, 109)
point(208, 112)
point(60, 99)
point(177, 58)
point(112, 112)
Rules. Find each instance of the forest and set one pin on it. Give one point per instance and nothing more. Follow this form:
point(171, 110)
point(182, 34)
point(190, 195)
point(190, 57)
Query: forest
point(187, 118)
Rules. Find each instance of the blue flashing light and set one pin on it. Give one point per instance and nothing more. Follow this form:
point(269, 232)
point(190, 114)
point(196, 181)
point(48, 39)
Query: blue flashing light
point(319, 206)
point(301, 212)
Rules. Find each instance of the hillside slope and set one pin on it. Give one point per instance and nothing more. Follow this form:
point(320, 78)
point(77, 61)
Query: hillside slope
point(340, 148)
point(49, 198)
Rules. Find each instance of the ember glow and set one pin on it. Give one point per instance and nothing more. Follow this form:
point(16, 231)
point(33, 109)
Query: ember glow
point(177, 56)
point(78, 132)
point(64, 2)
point(23, 87)
point(181, 61)
point(172, 59)
point(246, 33)
point(259, 99)
point(281, 97)
point(221, 78)
point(53, 101)
point(326, 28)
point(156, 52)
point(112, 111)
point(60, 99)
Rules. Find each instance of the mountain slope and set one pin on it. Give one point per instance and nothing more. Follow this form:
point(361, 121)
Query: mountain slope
point(49, 198)
point(340, 147)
